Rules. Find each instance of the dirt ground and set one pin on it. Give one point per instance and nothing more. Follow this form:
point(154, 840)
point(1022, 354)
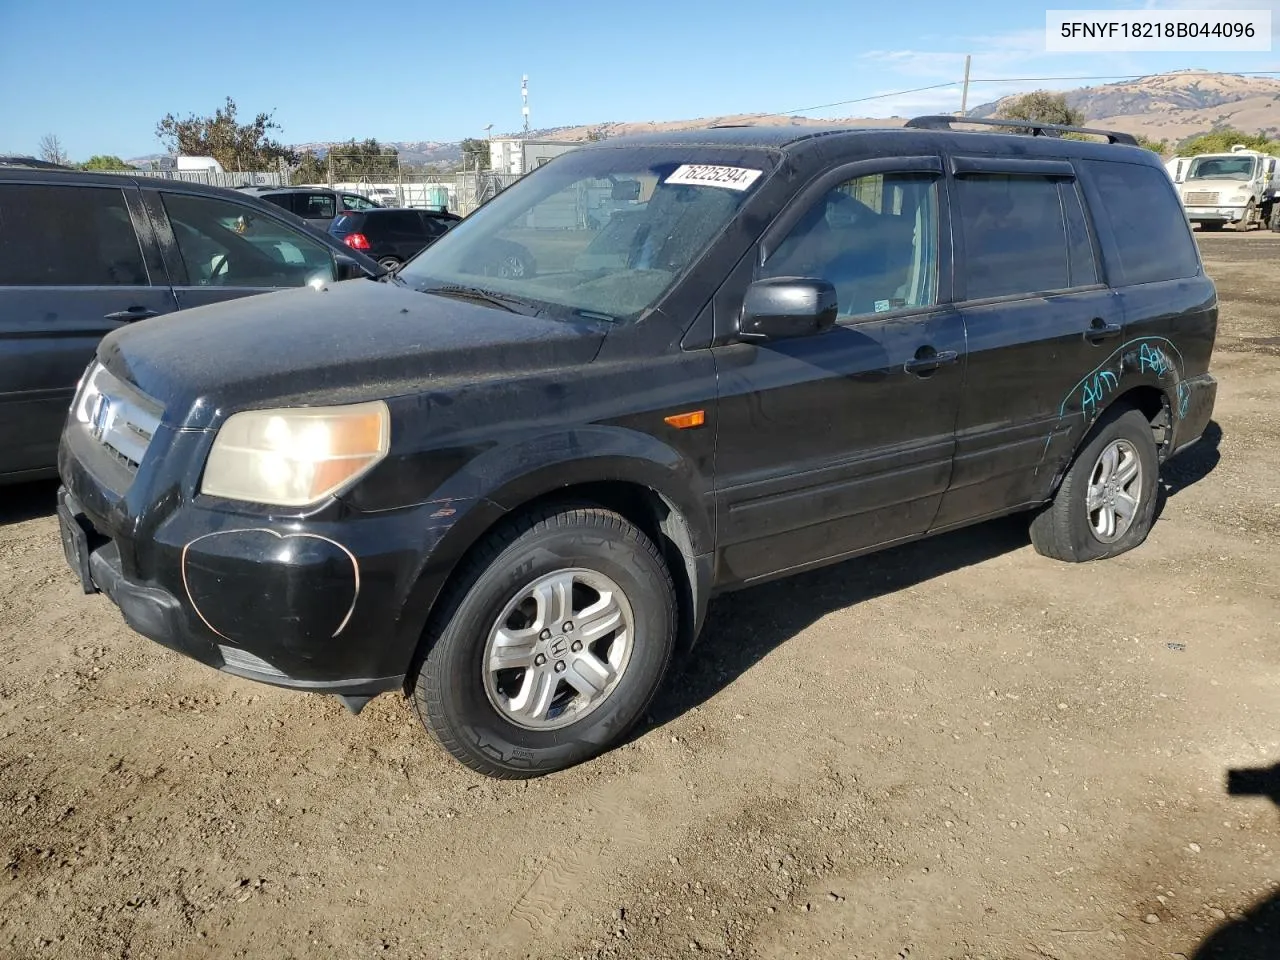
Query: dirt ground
point(956, 749)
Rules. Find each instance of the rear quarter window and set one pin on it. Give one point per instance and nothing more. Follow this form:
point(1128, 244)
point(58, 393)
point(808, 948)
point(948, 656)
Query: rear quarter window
point(1150, 235)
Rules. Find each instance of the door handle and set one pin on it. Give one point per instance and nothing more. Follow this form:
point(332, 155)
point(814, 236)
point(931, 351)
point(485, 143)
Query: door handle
point(1100, 330)
point(927, 360)
point(133, 313)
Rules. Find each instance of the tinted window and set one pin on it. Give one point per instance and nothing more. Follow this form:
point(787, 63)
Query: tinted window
point(1084, 266)
point(286, 201)
point(1147, 223)
point(434, 225)
point(399, 221)
point(1014, 235)
point(873, 238)
point(227, 244)
point(317, 206)
point(67, 236)
point(346, 223)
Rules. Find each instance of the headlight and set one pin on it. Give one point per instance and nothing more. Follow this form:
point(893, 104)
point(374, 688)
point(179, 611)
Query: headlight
point(298, 456)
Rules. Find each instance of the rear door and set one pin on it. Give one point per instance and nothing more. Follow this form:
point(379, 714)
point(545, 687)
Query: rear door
point(220, 249)
point(1038, 320)
point(77, 261)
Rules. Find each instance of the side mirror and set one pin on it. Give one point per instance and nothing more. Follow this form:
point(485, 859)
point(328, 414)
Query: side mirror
point(783, 307)
point(346, 268)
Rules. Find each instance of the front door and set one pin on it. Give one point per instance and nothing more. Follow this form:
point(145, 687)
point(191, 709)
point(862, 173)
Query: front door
point(1039, 323)
point(219, 249)
point(76, 263)
point(836, 443)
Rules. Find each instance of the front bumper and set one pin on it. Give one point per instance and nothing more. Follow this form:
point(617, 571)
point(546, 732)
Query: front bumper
point(1215, 214)
point(332, 605)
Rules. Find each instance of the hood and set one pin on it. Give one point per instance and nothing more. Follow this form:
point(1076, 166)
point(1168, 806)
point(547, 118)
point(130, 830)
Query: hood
point(355, 340)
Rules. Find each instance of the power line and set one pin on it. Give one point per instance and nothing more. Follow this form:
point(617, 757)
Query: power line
point(955, 83)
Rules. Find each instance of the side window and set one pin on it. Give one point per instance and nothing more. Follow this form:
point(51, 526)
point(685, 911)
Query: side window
point(67, 236)
point(226, 244)
point(435, 227)
point(1015, 237)
point(1083, 265)
point(403, 222)
point(353, 201)
point(285, 201)
point(1152, 238)
point(319, 206)
point(874, 238)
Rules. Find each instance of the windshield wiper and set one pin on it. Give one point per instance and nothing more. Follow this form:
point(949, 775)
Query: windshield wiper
point(501, 300)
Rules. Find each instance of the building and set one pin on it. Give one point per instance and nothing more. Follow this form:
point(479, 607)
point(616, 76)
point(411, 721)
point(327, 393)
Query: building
point(520, 156)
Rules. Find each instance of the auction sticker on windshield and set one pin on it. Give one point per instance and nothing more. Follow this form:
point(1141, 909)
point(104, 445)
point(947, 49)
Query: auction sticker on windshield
point(705, 175)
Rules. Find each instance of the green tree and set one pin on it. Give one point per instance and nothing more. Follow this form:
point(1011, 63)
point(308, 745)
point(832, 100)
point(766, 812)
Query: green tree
point(310, 169)
point(104, 161)
point(1155, 146)
point(360, 158)
point(1222, 140)
point(1040, 106)
point(235, 145)
point(475, 153)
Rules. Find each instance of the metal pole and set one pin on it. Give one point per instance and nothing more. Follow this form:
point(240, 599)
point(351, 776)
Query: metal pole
point(964, 95)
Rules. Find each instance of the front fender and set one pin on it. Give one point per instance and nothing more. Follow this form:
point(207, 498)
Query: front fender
point(506, 476)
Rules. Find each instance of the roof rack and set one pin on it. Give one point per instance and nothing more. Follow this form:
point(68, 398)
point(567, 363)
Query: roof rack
point(32, 163)
point(943, 122)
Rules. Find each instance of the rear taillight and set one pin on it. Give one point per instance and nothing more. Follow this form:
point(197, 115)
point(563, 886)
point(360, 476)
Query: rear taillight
point(356, 241)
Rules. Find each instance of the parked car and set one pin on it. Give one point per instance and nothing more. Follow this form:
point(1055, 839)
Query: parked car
point(512, 497)
point(392, 236)
point(83, 254)
point(317, 205)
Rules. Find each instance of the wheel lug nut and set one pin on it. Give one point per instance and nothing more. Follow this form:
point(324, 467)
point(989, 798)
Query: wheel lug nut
point(545, 635)
point(560, 667)
point(539, 660)
point(568, 627)
point(577, 646)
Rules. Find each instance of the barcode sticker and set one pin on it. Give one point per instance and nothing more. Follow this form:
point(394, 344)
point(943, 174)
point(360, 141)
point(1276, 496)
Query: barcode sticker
point(704, 175)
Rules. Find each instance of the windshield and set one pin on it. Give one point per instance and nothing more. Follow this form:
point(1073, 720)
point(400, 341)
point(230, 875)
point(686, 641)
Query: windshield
point(600, 232)
point(1222, 168)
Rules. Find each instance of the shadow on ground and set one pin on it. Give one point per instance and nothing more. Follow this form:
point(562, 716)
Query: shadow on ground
point(1256, 936)
point(27, 501)
point(743, 627)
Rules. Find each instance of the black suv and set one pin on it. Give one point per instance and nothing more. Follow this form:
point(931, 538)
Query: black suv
point(512, 497)
point(83, 254)
point(317, 205)
point(392, 236)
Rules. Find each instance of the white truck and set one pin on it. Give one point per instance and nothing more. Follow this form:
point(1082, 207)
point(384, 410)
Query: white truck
point(1239, 187)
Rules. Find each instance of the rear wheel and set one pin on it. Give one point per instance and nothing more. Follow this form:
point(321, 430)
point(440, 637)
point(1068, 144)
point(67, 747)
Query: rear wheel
point(551, 645)
point(1106, 502)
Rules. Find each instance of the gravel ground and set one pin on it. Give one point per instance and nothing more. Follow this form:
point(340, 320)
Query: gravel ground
point(956, 749)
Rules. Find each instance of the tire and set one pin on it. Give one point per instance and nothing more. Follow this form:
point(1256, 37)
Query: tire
point(496, 721)
point(1066, 529)
point(1246, 222)
point(1274, 223)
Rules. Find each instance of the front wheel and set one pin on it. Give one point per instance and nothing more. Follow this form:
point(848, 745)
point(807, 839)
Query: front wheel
point(1106, 503)
point(1246, 221)
point(551, 645)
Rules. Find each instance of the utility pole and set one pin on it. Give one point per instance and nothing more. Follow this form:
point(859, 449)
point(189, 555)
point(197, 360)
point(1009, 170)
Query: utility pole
point(964, 95)
point(524, 96)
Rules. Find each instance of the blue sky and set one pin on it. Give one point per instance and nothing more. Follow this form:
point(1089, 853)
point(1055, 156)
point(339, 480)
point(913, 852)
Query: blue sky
point(100, 75)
